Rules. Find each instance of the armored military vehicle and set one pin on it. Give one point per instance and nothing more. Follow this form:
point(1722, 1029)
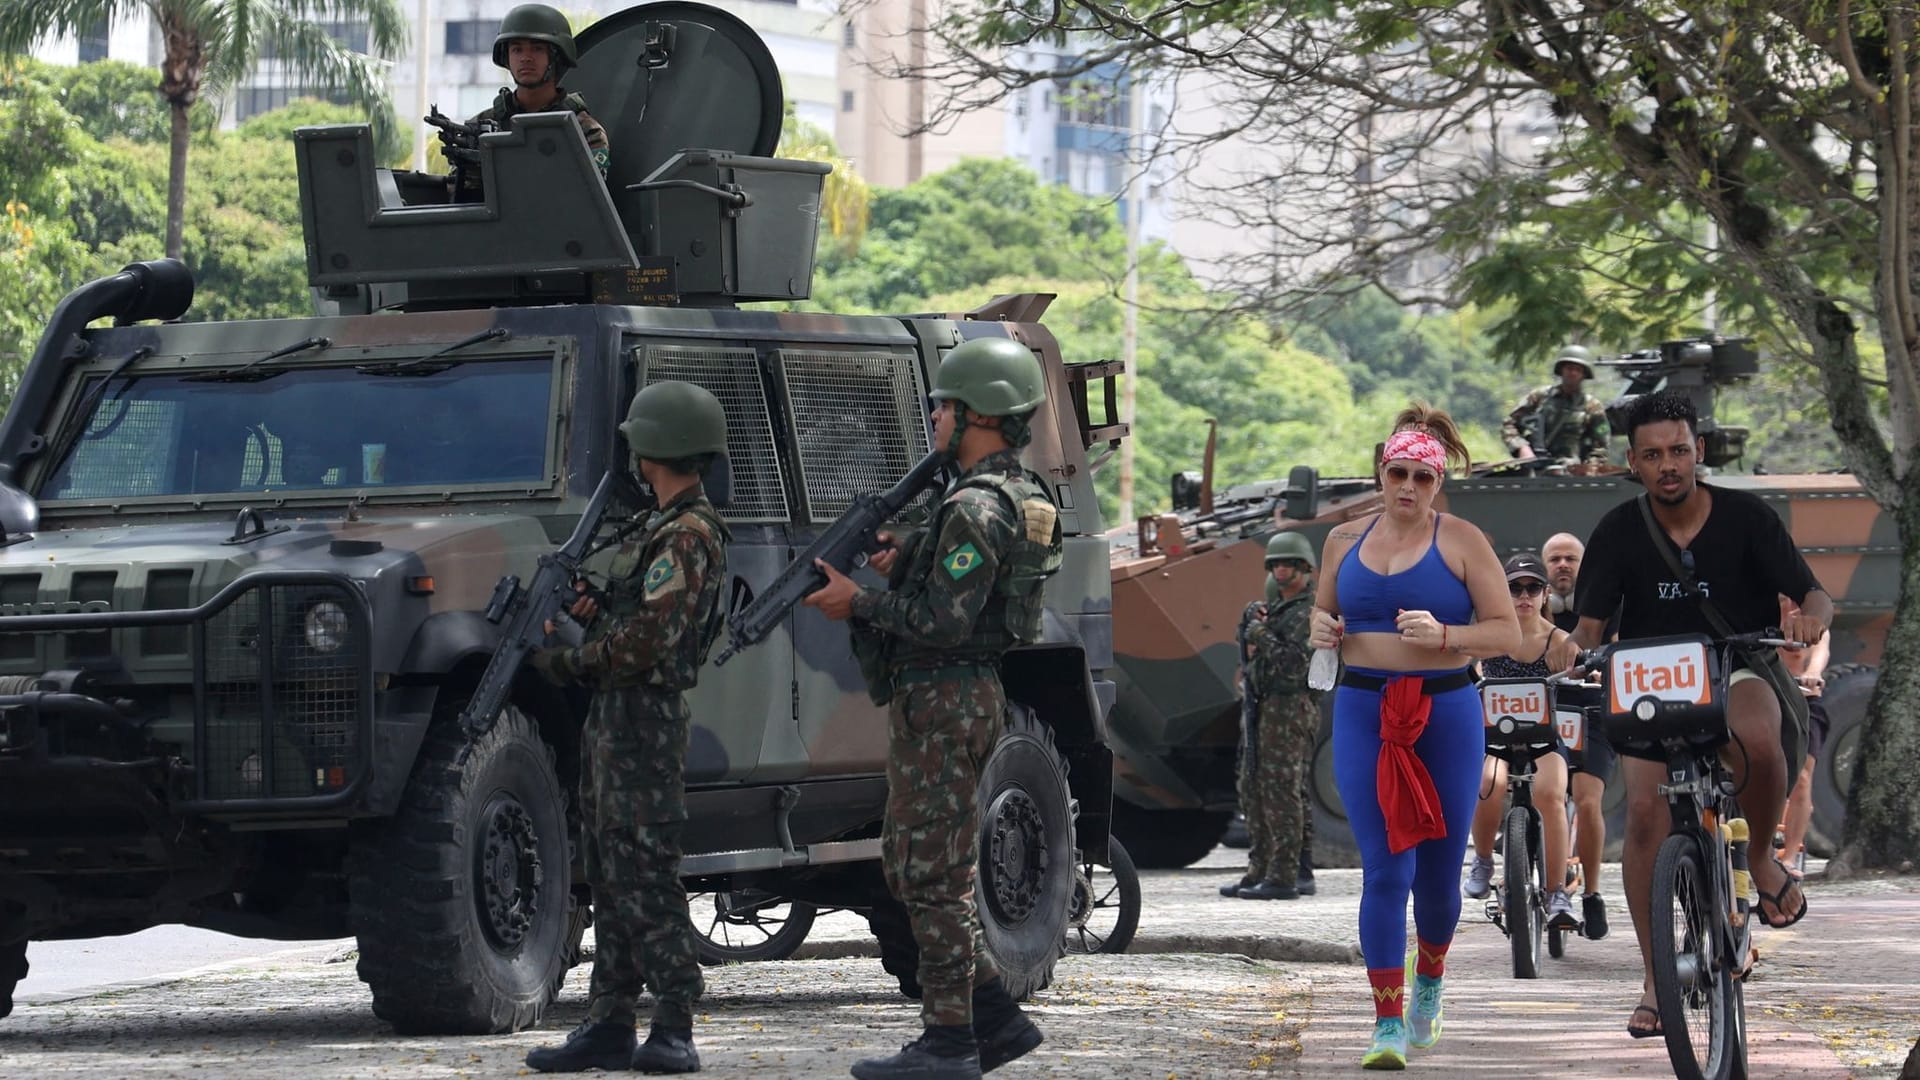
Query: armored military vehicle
point(247, 568)
point(1181, 579)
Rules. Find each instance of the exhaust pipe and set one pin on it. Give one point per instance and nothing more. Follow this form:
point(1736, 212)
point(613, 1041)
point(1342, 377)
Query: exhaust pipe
point(161, 289)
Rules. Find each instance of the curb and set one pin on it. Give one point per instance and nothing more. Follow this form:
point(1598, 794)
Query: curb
point(1278, 947)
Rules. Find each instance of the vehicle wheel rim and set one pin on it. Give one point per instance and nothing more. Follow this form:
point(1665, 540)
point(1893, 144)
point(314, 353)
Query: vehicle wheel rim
point(509, 870)
point(1016, 862)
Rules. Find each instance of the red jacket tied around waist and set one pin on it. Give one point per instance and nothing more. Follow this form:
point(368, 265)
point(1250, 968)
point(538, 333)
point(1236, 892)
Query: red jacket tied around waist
point(1408, 800)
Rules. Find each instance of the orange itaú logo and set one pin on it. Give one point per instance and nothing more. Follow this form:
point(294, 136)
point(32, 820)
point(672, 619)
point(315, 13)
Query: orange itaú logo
point(1525, 702)
point(1675, 672)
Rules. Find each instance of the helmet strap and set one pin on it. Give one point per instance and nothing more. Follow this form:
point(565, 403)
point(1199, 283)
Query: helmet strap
point(959, 429)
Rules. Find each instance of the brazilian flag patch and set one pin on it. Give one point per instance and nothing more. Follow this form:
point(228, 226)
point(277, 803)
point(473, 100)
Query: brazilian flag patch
point(962, 561)
point(659, 574)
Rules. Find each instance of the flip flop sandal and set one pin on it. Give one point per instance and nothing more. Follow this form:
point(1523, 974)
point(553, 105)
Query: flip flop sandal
point(1777, 899)
point(1654, 1032)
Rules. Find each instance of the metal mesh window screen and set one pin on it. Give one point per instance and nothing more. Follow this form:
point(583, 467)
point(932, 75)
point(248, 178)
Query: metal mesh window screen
point(733, 375)
point(860, 419)
point(125, 451)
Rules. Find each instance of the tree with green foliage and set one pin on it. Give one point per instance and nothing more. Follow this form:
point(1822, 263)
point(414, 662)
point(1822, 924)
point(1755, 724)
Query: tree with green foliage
point(211, 45)
point(1744, 160)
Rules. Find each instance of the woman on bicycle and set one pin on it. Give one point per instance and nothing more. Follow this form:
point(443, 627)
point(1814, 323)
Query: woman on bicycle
point(1527, 584)
point(1407, 596)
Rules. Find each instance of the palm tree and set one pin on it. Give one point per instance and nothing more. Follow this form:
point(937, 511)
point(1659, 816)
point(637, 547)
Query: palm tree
point(845, 200)
point(210, 45)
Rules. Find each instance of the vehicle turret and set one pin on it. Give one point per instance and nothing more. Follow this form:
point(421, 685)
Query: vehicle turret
point(693, 210)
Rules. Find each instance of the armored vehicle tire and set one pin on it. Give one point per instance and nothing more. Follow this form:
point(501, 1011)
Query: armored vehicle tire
point(1026, 876)
point(1848, 688)
point(462, 901)
point(1168, 839)
point(13, 968)
point(742, 925)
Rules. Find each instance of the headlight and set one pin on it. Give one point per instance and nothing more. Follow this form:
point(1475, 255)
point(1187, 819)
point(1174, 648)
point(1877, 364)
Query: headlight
point(327, 627)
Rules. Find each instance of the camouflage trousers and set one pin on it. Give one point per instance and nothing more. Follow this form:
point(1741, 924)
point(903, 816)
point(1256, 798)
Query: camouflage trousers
point(1276, 774)
point(633, 755)
point(939, 733)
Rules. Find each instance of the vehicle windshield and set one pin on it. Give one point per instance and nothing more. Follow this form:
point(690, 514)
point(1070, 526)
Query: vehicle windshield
point(310, 428)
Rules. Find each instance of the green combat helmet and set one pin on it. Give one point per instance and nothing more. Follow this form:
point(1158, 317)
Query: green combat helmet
point(537, 22)
point(991, 377)
point(1290, 545)
point(670, 421)
point(1574, 354)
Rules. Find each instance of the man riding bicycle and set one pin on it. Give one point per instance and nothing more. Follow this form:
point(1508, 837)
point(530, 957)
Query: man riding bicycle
point(1731, 553)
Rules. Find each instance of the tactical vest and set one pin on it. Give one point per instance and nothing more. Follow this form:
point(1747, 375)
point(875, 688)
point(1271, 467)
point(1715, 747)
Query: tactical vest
point(627, 592)
point(1013, 613)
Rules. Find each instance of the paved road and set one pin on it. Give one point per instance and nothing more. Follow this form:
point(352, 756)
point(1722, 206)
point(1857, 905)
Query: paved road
point(1835, 997)
point(67, 969)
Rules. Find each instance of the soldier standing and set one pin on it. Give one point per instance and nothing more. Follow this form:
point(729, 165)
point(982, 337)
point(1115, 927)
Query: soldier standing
point(664, 610)
point(1289, 720)
point(1561, 421)
point(535, 45)
point(960, 593)
point(1249, 734)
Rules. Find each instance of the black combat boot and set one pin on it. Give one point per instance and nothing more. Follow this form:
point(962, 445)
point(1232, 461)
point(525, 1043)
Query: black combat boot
point(596, 1044)
point(1001, 1032)
point(667, 1050)
point(940, 1053)
point(1233, 888)
point(1303, 884)
point(1270, 890)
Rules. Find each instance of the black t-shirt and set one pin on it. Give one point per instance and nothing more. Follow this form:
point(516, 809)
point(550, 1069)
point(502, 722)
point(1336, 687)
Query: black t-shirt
point(1569, 620)
point(1743, 559)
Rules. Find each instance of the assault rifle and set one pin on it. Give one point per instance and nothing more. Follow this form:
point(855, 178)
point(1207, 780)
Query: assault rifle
point(461, 144)
point(523, 611)
point(847, 539)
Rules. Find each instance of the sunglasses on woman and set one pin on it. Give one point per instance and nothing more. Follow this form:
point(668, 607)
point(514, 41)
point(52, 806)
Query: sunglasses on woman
point(1525, 588)
point(1421, 477)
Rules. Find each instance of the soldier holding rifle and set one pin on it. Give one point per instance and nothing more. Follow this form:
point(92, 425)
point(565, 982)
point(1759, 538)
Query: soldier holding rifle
point(664, 610)
point(959, 595)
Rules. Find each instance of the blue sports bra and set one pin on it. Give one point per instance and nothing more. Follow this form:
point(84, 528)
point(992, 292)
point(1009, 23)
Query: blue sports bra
point(1372, 602)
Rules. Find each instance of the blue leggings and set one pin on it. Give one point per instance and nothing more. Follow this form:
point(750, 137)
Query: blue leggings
point(1451, 748)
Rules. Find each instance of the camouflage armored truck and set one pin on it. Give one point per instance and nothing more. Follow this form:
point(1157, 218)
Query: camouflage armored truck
point(1175, 727)
point(247, 567)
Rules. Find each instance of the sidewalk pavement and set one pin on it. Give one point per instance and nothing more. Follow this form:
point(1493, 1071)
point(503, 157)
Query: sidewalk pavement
point(1834, 997)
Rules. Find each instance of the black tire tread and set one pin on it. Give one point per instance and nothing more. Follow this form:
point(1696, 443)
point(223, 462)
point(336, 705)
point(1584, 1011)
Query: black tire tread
point(1676, 850)
point(1523, 918)
point(409, 890)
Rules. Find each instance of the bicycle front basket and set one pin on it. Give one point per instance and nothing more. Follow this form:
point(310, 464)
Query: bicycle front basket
point(1519, 717)
point(1662, 689)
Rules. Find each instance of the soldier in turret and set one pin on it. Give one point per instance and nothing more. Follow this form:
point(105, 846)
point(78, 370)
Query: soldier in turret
point(1561, 421)
point(535, 45)
point(1278, 818)
point(960, 594)
point(663, 611)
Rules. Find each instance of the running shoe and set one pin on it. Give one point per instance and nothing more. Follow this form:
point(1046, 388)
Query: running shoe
point(1423, 1016)
point(1560, 911)
point(1389, 1049)
point(1479, 879)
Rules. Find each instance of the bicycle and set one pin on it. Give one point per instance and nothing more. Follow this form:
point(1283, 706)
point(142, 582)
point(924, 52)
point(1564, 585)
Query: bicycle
point(1665, 700)
point(1521, 729)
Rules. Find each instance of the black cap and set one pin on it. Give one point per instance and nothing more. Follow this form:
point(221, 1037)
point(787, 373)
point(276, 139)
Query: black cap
point(1525, 565)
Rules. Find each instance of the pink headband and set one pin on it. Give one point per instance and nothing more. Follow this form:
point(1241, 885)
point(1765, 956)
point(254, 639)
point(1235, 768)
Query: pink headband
point(1411, 445)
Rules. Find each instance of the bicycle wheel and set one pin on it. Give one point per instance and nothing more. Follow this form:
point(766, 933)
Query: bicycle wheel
point(1526, 911)
point(1691, 983)
point(1105, 910)
point(736, 927)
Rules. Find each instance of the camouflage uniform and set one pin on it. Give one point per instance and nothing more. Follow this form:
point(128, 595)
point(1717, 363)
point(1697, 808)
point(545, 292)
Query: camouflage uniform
point(663, 611)
point(506, 105)
point(1570, 428)
point(1279, 818)
point(963, 592)
point(1249, 744)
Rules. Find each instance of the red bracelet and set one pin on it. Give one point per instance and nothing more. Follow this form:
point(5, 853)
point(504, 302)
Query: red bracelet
point(1443, 637)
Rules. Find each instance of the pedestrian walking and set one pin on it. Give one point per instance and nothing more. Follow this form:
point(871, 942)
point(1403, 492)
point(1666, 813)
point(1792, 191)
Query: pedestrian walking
point(1408, 595)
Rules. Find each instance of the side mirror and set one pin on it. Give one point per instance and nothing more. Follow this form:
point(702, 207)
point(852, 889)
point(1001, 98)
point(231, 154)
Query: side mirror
point(1302, 493)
